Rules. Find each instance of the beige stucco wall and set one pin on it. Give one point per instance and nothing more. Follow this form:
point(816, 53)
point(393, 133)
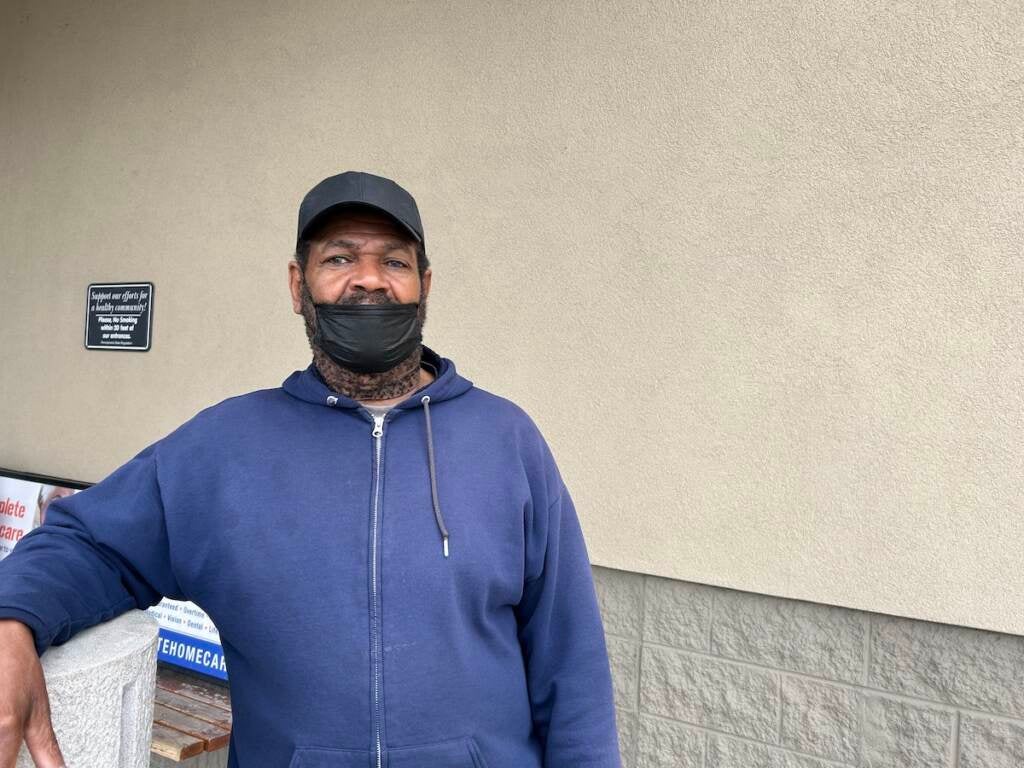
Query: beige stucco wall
point(755, 268)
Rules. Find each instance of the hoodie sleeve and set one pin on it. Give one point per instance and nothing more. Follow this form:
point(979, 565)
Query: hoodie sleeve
point(100, 552)
point(562, 637)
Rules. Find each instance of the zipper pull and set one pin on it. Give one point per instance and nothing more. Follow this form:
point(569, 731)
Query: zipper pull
point(378, 426)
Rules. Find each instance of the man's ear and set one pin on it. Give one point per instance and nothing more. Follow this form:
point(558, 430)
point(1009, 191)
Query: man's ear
point(295, 286)
point(425, 288)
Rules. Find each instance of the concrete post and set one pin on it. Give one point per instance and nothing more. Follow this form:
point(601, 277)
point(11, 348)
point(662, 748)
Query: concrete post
point(101, 687)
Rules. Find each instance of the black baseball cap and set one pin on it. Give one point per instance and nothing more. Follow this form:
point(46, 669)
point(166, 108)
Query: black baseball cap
point(357, 188)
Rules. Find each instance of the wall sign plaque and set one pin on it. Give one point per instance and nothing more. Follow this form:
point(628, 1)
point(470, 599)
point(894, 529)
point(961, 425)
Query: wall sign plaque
point(119, 316)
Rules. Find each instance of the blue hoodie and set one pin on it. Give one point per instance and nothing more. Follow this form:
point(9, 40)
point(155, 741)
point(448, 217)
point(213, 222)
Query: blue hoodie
point(315, 539)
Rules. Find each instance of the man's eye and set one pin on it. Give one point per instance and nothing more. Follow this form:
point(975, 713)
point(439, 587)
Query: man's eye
point(337, 259)
point(395, 263)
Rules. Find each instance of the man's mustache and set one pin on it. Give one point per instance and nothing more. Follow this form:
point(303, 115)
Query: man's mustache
point(374, 297)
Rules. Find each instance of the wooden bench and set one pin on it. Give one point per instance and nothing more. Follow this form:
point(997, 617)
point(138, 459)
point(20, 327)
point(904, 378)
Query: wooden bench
point(190, 715)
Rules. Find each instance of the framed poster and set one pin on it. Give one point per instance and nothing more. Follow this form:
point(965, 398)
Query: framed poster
point(187, 636)
point(119, 316)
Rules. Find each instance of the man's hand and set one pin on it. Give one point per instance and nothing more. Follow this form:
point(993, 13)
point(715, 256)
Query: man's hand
point(24, 704)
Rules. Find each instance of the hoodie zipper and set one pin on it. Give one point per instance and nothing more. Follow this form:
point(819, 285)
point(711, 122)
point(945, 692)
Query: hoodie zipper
point(378, 437)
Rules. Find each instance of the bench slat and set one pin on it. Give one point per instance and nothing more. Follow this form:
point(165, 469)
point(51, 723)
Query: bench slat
point(208, 693)
point(194, 708)
point(175, 745)
point(190, 715)
point(213, 737)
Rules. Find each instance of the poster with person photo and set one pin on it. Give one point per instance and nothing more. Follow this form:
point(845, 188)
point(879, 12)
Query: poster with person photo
point(23, 506)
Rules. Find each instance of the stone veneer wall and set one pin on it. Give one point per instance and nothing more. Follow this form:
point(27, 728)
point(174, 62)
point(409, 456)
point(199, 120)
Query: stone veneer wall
point(714, 678)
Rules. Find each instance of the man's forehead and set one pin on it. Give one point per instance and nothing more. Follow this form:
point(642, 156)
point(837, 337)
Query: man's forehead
point(358, 241)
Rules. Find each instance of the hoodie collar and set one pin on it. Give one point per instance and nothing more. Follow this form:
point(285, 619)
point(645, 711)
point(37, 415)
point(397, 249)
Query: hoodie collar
point(309, 386)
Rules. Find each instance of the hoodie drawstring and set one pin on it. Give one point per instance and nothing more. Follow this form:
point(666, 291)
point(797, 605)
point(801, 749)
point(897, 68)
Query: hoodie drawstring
point(433, 475)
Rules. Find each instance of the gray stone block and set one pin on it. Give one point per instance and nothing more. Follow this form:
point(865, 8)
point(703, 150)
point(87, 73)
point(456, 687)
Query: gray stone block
point(101, 693)
point(703, 691)
point(820, 719)
point(677, 613)
point(620, 595)
point(990, 743)
point(665, 744)
point(794, 635)
point(724, 752)
point(960, 666)
point(626, 723)
point(898, 734)
point(624, 662)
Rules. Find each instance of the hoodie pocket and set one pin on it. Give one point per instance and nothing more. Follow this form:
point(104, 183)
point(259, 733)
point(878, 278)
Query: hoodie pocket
point(454, 753)
point(322, 757)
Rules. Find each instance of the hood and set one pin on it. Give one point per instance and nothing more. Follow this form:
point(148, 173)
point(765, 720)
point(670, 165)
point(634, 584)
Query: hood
point(309, 386)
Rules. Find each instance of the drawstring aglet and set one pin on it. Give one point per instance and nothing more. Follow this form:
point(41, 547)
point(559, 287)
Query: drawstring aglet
point(446, 546)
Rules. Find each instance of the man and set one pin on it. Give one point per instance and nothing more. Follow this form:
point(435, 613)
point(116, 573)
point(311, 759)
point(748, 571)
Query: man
point(47, 495)
point(393, 562)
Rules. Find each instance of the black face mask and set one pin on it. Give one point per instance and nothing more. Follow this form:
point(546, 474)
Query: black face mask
point(368, 338)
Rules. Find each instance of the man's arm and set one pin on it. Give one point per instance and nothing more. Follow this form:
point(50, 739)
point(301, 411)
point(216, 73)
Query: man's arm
point(24, 703)
point(563, 643)
point(100, 553)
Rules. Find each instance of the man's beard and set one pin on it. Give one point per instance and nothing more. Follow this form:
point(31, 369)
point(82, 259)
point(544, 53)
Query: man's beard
point(394, 382)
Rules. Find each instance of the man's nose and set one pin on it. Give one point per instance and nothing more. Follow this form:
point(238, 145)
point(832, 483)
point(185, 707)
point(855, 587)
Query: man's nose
point(368, 275)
